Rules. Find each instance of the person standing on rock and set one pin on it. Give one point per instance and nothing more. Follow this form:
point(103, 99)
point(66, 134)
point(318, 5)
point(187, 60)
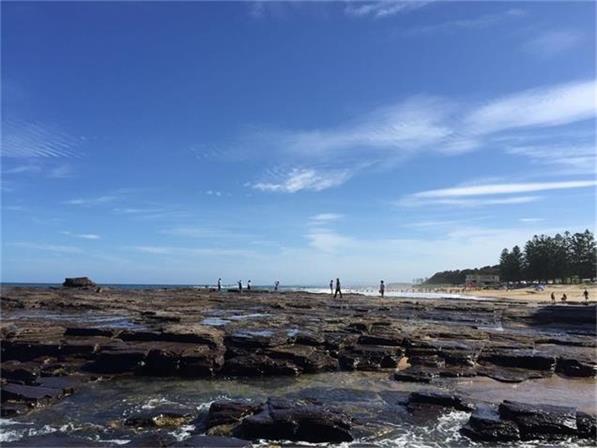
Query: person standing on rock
point(276, 285)
point(553, 297)
point(219, 284)
point(249, 285)
point(382, 288)
point(586, 294)
point(240, 285)
point(564, 298)
point(338, 290)
point(331, 286)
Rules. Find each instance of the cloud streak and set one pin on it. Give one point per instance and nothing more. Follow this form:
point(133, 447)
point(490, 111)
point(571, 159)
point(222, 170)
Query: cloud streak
point(552, 43)
point(84, 236)
point(382, 9)
point(496, 189)
point(22, 139)
point(481, 22)
point(308, 179)
point(423, 124)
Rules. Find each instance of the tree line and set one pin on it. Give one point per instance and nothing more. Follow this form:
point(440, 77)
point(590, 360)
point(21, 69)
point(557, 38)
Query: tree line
point(566, 257)
point(458, 276)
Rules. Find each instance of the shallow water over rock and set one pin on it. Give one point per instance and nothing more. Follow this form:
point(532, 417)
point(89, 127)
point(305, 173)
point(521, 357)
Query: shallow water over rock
point(98, 411)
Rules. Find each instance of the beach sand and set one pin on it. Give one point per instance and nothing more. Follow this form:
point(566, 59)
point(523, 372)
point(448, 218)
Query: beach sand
point(573, 292)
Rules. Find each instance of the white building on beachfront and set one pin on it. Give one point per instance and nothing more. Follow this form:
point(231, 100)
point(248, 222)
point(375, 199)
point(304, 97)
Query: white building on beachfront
point(482, 279)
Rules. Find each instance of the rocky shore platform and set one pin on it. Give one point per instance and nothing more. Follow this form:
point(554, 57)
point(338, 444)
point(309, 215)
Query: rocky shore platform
point(58, 343)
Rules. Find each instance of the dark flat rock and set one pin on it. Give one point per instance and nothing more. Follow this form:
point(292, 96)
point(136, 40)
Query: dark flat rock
point(587, 425)
point(485, 424)
point(34, 395)
point(213, 442)
point(441, 399)
point(540, 421)
point(56, 440)
point(282, 420)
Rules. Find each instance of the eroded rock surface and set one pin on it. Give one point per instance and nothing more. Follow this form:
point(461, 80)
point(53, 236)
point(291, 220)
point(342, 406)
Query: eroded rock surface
point(48, 334)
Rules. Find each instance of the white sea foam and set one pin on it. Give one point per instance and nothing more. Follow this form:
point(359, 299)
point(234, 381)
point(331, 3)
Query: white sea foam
point(182, 433)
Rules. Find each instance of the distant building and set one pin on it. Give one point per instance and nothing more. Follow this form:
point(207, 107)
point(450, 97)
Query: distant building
point(482, 279)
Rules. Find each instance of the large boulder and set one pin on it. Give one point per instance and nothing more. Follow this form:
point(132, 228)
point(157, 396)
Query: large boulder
point(78, 282)
point(440, 399)
point(370, 357)
point(181, 359)
point(587, 425)
point(32, 395)
point(223, 416)
point(485, 425)
point(519, 358)
point(540, 421)
point(309, 359)
point(282, 420)
point(259, 364)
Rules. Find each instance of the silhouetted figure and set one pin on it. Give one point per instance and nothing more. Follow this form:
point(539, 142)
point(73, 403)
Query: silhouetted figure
point(586, 294)
point(553, 297)
point(276, 285)
point(219, 284)
point(240, 285)
point(564, 298)
point(331, 286)
point(249, 285)
point(338, 290)
point(382, 288)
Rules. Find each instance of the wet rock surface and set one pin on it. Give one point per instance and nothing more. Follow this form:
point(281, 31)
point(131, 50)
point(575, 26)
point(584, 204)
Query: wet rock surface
point(54, 340)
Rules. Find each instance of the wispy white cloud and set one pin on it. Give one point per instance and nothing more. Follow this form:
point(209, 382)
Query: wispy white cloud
point(574, 159)
point(553, 43)
point(152, 213)
point(204, 232)
point(480, 22)
point(325, 217)
point(307, 179)
point(22, 139)
point(46, 247)
point(461, 202)
point(193, 252)
point(37, 168)
point(60, 172)
point(381, 9)
point(542, 107)
point(22, 169)
point(496, 189)
point(84, 236)
point(87, 202)
point(531, 220)
point(416, 122)
point(327, 240)
point(427, 124)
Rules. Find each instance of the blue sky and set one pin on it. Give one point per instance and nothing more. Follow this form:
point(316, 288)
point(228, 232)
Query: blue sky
point(182, 142)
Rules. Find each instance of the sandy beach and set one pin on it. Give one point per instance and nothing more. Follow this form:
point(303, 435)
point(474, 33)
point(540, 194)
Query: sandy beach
point(574, 293)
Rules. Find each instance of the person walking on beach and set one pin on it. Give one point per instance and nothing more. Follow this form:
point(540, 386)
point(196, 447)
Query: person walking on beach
point(382, 288)
point(338, 290)
point(219, 284)
point(331, 286)
point(586, 294)
point(564, 298)
point(240, 286)
point(553, 297)
point(276, 285)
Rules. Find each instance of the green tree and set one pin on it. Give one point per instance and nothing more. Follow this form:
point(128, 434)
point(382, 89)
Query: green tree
point(583, 254)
